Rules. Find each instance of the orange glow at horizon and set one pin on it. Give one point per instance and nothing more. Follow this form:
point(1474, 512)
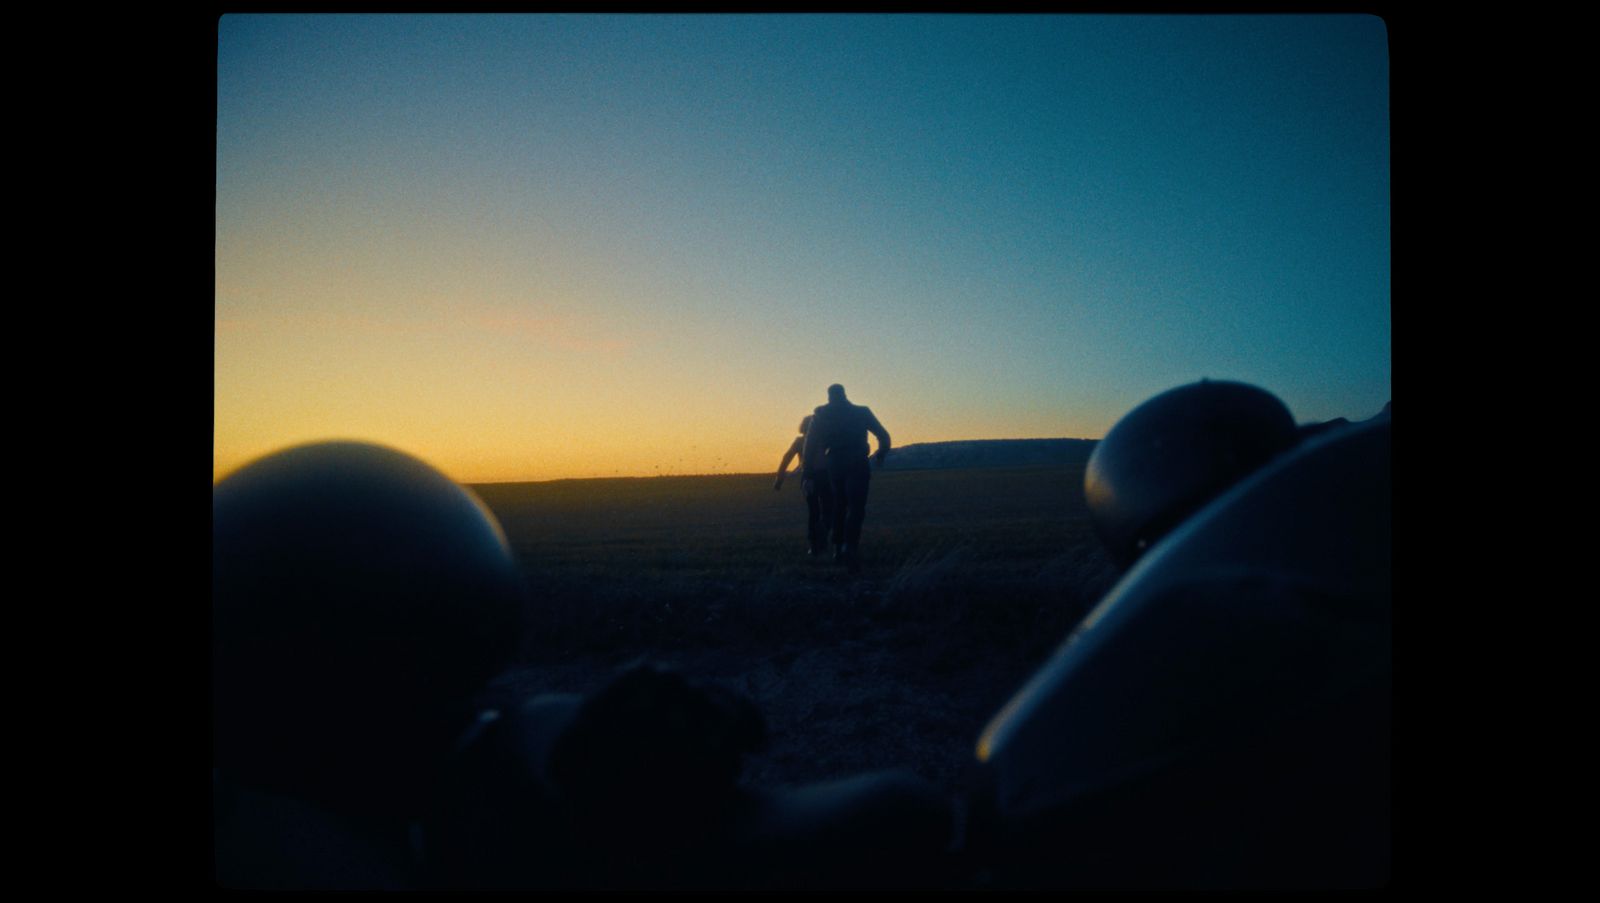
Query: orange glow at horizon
point(495, 392)
point(531, 457)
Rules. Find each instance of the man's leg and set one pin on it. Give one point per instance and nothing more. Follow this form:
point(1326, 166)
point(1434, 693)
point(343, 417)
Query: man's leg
point(815, 526)
point(825, 502)
point(840, 480)
point(856, 489)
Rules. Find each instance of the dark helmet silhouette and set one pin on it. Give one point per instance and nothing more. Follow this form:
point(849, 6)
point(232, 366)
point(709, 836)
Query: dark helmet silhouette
point(1221, 717)
point(359, 599)
point(1177, 451)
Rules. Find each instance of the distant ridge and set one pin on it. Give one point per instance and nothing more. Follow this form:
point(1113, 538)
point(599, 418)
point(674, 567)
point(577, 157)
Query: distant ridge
point(989, 453)
point(917, 456)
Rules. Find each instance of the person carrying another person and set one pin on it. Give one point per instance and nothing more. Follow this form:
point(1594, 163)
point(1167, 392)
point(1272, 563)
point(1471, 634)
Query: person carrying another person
point(837, 444)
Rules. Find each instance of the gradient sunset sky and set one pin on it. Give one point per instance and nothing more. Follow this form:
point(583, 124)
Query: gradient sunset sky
point(540, 246)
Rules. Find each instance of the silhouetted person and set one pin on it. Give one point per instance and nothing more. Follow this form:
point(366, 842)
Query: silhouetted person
point(360, 600)
point(837, 442)
point(1221, 721)
point(817, 488)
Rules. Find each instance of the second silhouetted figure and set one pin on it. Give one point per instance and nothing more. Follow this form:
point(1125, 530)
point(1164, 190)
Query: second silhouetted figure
point(837, 441)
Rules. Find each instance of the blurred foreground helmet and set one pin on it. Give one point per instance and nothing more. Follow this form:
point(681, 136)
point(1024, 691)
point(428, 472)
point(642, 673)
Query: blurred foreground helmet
point(359, 599)
point(1221, 718)
point(1169, 456)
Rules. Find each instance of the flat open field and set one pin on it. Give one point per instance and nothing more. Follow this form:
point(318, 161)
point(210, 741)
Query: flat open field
point(970, 579)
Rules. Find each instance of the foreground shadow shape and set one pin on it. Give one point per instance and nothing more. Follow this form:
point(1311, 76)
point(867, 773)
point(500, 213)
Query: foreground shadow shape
point(360, 599)
point(1221, 719)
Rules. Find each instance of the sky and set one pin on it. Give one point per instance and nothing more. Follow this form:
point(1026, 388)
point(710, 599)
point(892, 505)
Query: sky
point(531, 247)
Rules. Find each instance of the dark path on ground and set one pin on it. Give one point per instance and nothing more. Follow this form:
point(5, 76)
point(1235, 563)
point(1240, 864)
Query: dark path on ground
point(971, 578)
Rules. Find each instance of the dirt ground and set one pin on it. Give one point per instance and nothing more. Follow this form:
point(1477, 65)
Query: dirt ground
point(973, 579)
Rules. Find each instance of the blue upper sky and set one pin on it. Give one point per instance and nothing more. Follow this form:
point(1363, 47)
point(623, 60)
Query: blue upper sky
point(611, 236)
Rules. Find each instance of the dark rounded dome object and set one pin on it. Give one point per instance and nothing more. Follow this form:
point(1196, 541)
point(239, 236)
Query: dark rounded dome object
point(1221, 717)
point(1168, 457)
point(359, 599)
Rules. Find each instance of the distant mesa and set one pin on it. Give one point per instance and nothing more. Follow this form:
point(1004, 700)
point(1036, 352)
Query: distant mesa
point(1027, 452)
point(989, 453)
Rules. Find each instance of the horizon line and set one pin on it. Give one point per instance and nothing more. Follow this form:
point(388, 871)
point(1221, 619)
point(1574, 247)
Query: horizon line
point(757, 473)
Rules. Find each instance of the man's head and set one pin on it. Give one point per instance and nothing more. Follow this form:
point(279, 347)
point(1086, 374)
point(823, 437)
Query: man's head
point(805, 424)
point(360, 598)
point(836, 393)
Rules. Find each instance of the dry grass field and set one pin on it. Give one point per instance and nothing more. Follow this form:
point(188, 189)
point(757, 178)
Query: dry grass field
point(970, 579)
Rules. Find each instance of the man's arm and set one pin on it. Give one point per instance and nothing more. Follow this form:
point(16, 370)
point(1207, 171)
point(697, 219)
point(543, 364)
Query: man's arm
point(794, 449)
point(876, 429)
point(811, 450)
